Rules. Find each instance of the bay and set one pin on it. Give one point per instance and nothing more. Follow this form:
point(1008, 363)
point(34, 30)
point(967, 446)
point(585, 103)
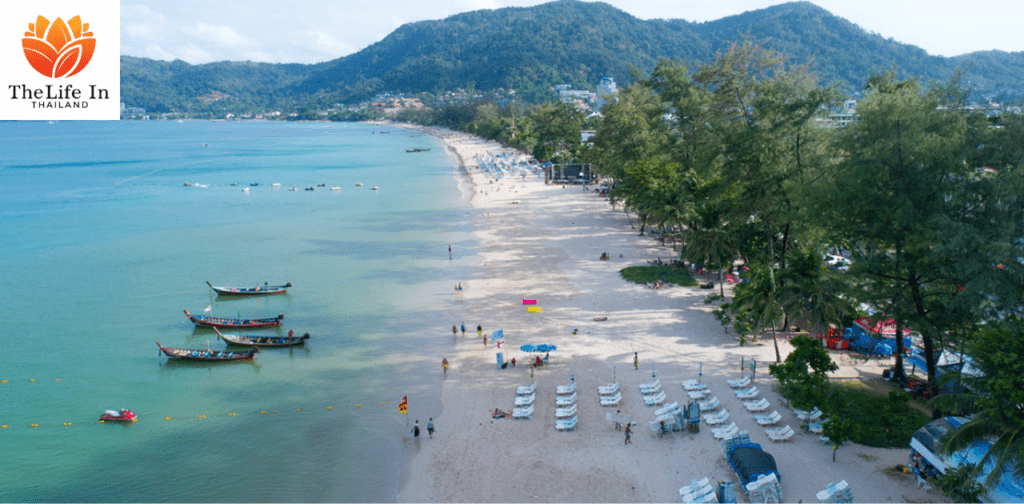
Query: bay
point(103, 246)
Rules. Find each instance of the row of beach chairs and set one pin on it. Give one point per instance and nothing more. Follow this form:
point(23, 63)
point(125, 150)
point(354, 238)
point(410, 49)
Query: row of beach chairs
point(698, 491)
point(565, 407)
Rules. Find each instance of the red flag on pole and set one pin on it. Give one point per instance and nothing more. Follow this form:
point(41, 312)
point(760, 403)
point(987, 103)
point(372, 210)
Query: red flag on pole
point(403, 407)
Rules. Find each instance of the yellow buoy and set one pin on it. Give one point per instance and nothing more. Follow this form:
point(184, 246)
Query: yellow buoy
point(102, 421)
point(35, 425)
point(359, 405)
point(275, 411)
point(3, 381)
point(58, 379)
point(5, 426)
point(264, 412)
point(330, 407)
point(202, 416)
point(167, 418)
point(31, 379)
point(298, 409)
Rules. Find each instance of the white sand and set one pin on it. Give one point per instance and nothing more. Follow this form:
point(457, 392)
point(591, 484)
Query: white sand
point(543, 242)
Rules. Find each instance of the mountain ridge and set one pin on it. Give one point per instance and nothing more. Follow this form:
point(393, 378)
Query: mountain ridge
point(530, 49)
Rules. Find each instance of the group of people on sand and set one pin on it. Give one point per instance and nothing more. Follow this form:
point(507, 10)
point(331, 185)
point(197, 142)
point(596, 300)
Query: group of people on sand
point(416, 429)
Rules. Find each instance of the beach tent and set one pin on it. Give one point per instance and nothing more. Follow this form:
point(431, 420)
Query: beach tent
point(1008, 488)
point(884, 327)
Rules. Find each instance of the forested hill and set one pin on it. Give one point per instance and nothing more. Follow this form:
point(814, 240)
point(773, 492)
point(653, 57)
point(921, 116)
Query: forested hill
point(533, 48)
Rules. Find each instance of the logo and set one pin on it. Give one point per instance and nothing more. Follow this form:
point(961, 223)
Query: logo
point(58, 49)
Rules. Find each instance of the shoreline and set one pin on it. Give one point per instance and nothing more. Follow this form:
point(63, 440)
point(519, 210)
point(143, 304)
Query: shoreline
point(543, 242)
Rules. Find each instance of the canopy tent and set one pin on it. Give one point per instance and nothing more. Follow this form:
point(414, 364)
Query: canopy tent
point(886, 327)
point(1008, 488)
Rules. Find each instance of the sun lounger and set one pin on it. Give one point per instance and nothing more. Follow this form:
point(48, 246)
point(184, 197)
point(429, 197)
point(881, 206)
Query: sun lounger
point(709, 405)
point(749, 393)
point(568, 400)
point(742, 382)
point(697, 394)
point(650, 388)
point(758, 405)
point(701, 495)
point(611, 400)
point(565, 412)
point(693, 385)
point(804, 415)
point(668, 409)
point(817, 427)
point(568, 424)
point(566, 389)
point(693, 487)
point(608, 389)
point(727, 431)
point(525, 400)
point(780, 434)
point(521, 413)
point(769, 419)
point(716, 418)
point(526, 389)
point(654, 400)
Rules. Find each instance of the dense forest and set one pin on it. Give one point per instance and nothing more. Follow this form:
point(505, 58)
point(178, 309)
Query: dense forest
point(532, 49)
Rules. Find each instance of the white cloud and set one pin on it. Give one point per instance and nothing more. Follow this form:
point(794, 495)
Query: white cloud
point(224, 36)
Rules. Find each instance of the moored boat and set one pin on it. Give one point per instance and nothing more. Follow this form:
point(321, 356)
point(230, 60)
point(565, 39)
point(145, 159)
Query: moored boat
point(250, 291)
point(206, 321)
point(262, 341)
point(118, 416)
point(207, 355)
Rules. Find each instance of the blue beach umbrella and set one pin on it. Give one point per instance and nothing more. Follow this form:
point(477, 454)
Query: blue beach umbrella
point(528, 348)
point(546, 348)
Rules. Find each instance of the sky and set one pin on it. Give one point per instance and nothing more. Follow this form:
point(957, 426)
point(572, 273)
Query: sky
point(313, 31)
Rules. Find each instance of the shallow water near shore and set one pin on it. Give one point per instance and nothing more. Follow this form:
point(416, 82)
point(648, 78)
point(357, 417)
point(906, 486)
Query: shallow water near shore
point(104, 245)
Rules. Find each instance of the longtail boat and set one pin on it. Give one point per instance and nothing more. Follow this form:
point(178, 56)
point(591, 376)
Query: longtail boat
point(206, 321)
point(250, 291)
point(207, 355)
point(262, 341)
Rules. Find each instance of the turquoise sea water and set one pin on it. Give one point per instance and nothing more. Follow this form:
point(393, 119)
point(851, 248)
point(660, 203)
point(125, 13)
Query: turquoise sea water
point(103, 246)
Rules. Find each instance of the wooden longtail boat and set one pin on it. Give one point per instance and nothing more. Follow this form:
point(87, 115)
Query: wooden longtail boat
point(262, 341)
point(207, 355)
point(205, 321)
point(250, 291)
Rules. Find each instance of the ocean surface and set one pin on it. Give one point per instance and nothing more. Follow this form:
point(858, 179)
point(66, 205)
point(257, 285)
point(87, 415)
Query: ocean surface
point(102, 245)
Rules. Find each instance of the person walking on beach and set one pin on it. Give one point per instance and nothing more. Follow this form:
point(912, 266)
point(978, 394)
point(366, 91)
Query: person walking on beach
point(430, 428)
point(416, 430)
point(455, 331)
point(636, 362)
point(449, 251)
point(628, 432)
point(444, 366)
point(485, 340)
point(479, 330)
point(463, 329)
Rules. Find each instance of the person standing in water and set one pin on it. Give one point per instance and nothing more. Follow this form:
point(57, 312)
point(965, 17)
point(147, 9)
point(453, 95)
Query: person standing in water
point(636, 361)
point(444, 366)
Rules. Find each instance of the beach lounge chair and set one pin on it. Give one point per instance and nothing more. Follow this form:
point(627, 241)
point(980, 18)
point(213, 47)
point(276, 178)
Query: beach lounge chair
point(526, 389)
point(804, 415)
point(566, 389)
point(697, 394)
point(525, 400)
point(921, 482)
point(749, 393)
point(668, 409)
point(608, 389)
point(841, 493)
point(521, 413)
point(650, 388)
point(817, 427)
point(782, 434)
point(700, 495)
point(769, 419)
point(742, 382)
point(725, 432)
point(693, 486)
point(693, 385)
point(568, 400)
point(656, 399)
point(709, 405)
point(716, 418)
point(758, 405)
point(565, 412)
point(567, 424)
point(611, 400)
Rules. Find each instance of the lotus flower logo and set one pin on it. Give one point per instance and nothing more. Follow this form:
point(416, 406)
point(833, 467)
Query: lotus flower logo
point(58, 49)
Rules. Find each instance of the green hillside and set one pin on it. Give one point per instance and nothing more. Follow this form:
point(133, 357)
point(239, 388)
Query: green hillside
point(532, 49)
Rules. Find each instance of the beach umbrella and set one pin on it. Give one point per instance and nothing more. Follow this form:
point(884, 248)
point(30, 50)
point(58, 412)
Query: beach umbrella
point(546, 348)
point(652, 371)
point(528, 348)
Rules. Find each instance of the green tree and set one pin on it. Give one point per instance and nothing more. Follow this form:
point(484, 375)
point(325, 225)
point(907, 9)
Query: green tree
point(994, 398)
point(803, 377)
point(839, 431)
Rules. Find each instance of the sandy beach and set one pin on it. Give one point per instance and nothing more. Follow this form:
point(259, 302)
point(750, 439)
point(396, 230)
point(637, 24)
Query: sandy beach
point(542, 241)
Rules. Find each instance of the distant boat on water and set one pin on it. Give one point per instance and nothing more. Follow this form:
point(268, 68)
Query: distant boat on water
point(262, 341)
point(198, 354)
point(416, 149)
point(205, 321)
point(250, 291)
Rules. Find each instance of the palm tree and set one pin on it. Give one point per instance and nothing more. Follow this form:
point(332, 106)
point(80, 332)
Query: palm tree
point(813, 292)
point(711, 243)
point(760, 300)
point(995, 398)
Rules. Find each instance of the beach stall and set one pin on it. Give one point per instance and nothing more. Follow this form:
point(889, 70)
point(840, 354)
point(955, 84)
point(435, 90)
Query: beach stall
point(924, 453)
